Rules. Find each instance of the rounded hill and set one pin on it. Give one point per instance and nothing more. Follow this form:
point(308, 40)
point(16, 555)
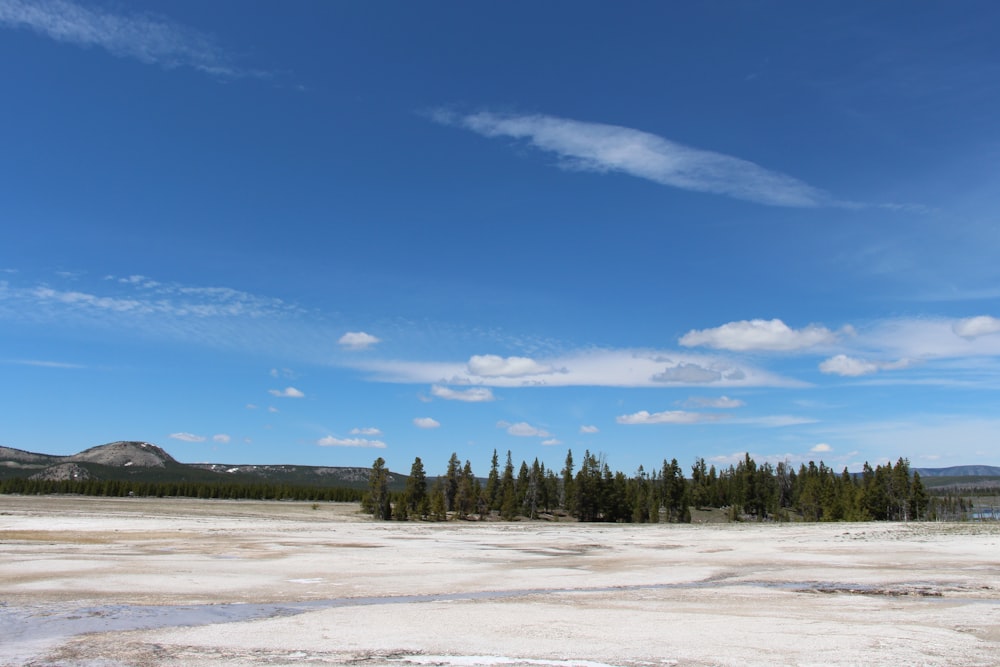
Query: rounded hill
point(125, 454)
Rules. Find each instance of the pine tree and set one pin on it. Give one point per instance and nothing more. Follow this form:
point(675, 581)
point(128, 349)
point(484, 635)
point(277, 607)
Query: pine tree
point(437, 510)
point(918, 499)
point(533, 491)
point(452, 476)
point(507, 490)
point(568, 491)
point(465, 498)
point(415, 494)
point(587, 489)
point(378, 491)
point(492, 492)
point(521, 488)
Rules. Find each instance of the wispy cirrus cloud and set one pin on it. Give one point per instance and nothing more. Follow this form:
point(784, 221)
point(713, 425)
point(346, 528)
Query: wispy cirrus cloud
point(143, 298)
point(219, 317)
point(722, 402)
point(774, 421)
point(150, 39)
point(601, 147)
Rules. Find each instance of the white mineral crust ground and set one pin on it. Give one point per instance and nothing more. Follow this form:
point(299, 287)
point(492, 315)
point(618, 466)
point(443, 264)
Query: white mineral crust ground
point(88, 582)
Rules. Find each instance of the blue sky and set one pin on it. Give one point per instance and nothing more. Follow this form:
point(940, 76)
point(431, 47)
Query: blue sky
point(319, 233)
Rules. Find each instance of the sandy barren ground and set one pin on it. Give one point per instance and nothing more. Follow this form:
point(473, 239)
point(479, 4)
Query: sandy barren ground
point(109, 582)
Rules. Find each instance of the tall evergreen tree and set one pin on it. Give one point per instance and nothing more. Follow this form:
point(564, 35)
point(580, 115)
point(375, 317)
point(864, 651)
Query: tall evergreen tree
point(415, 494)
point(587, 489)
point(378, 490)
point(492, 492)
point(466, 497)
point(508, 491)
point(568, 492)
point(451, 480)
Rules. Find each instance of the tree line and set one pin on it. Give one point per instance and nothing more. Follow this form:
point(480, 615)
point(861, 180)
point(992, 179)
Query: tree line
point(207, 490)
point(590, 491)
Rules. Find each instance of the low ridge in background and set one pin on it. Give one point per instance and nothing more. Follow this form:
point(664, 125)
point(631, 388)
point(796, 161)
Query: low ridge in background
point(129, 460)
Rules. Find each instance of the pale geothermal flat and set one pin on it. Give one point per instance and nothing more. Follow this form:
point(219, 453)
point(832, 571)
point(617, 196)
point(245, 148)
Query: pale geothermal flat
point(108, 582)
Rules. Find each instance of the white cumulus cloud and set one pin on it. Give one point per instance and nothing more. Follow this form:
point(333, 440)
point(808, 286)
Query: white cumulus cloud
point(473, 395)
point(221, 437)
point(370, 430)
point(589, 428)
point(552, 442)
point(357, 340)
point(426, 422)
point(763, 335)
point(821, 448)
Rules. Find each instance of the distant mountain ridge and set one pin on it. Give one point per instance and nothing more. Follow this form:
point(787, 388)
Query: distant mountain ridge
point(960, 471)
point(144, 461)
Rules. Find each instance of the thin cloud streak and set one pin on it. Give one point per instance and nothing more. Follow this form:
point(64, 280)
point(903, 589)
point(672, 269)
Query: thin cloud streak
point(668, 417)
point(331, 441)
point(599, 147)
point(43, 364)
point(187, 437)
point(218, 317)
point(148, 39)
